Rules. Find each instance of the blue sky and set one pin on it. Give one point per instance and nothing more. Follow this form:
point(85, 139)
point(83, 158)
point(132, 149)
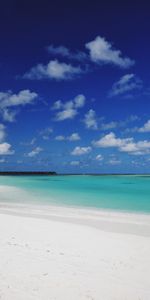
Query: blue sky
point(75, 86)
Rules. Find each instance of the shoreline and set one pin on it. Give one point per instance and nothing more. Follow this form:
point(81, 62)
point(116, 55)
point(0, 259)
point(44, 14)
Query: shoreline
point(12, 192)
point(111, 220)
point(103, 219)
point(66, 252)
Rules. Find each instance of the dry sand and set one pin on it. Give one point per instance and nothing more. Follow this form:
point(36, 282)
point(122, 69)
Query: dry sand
point(49, 253)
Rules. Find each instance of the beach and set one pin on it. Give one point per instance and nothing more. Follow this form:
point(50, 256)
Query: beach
point(74, 150)
point(68, 253)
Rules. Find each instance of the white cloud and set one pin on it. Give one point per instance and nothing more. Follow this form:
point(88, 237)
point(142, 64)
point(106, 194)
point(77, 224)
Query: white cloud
point(65, 114)
point(30, 143)
point(65, 52)
point(69, 109)
point(34, 152)
point(115, 124)
point(9, 102)
point(33, 141)
point(79, 101)
point(45, 133)
point(108, 126)
point(60, 138)
point(114, 161)
point(75, 163)
point(109, 140)
point(145, 128)
point(125, 84)
point(128, 145)
point(90, 120)
point(99, 157)
point(81, 150)
point(53, 70)
point(57, 105)
point(72, 138)
point(2, 132)
point(59, 50)
point(5, 149)
point(22, 98)
point(2, 160)
point(102, 52)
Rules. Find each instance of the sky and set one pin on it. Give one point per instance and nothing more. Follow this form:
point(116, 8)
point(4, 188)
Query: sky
point(75, 86)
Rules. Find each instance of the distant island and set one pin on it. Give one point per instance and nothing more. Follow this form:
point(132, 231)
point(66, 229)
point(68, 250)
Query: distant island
point(22, 173)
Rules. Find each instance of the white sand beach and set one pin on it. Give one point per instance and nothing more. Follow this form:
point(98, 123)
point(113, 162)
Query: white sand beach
point(49, 253)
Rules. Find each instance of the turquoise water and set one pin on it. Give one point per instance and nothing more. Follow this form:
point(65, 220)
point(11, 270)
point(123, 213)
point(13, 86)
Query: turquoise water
point(123, 192)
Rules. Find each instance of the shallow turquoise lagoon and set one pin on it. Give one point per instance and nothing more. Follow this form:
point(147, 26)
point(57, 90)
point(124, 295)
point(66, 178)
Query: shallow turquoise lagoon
point(118, 192)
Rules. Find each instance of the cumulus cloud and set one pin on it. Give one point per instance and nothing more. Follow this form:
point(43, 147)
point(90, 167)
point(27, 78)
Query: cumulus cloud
point(99, 157)
point(108, 126)
point(5, 149)
point(104, 126)
point(72, 138)
point(2, 160)
point(109, 140)
point(60, 138)
point(57, 105)
point(79, 101)
point(126, 83)
point(45, 133)
point(69, 109)
point(114, 161)
point(65, 52)
point(2, 132)
point(90, 120)
point(128, 145)
point(9, 102)
point(145, 127)
point(29, 143)
point(34, 152)
point(59, 50)
point(102, 52)
point(65, 114)
point(81, 150)
point(53, 70)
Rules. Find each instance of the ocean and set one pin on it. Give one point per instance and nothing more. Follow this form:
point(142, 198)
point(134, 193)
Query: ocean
point(129, 193)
